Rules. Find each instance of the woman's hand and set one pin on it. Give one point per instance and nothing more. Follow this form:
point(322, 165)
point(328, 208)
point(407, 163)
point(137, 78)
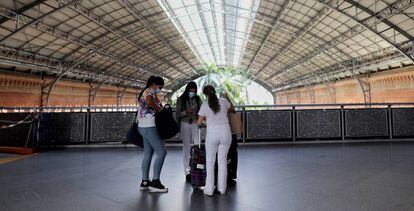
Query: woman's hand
point(200, 120)
point(153, 103)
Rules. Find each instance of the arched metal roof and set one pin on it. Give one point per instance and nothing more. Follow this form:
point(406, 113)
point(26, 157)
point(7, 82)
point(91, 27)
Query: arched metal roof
point(283, 44)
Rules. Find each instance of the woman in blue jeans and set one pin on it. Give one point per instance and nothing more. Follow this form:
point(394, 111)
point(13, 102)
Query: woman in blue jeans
point(149, 103)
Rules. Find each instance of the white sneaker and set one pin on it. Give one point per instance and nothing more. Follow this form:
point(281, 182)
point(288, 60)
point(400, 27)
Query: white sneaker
point(207, 193)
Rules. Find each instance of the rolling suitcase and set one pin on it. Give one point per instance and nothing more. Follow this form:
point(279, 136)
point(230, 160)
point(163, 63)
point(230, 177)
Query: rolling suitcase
point(232, 160)
point(198, 164)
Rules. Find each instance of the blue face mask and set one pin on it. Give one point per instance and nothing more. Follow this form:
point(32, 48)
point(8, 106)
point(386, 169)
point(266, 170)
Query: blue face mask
point(157, 91)
point(191, 94)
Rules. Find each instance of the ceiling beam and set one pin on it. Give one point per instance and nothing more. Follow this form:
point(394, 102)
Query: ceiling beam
point(120, 35)
point(299, 34)
point(24, 9)
point(33, 21)
point(205, 27)
point(134, 12)
point(369, 23)
point(70, 38)
point(360, 27)
point(386, 21)
point(274, 24)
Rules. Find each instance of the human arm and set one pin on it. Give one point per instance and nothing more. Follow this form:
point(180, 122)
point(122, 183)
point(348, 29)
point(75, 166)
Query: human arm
point(202, 115)
point(178, 108)
point(231, 107)
point(153, 103)
point(201, 120)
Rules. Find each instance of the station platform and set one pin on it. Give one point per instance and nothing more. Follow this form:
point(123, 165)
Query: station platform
point(340, 176)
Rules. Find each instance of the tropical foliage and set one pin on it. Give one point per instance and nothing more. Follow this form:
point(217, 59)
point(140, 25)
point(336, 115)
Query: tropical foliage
point(233, 81)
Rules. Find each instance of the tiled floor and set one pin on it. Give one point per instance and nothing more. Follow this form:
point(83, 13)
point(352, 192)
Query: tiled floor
point(372, 176)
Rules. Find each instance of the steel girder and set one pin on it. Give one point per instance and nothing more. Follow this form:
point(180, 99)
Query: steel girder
point(32, 21)
point(46, 90)
point(203, 21)
point(94, 89)
point(24, 9)
point(213, 15)
point(46, 64)
point(245, 37)
point(386, 21)
point(47, 87)
point(364, 84)
point(369, 23)
point(184, 35)
point(51, 65)
point(274, 23)
point(100, 37)
point(386, 54)
point(225, 29)
point(100, 21)
point(70, 38)
point(120, 95)
point(315, 20)
point(130, 8)
point(362, 26)
point(311, 93)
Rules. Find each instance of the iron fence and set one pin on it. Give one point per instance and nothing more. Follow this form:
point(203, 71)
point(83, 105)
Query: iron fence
point(75, 125)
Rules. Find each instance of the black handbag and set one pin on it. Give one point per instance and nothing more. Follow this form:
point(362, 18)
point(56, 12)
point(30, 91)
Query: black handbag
point(166, 125)
point(133, 135)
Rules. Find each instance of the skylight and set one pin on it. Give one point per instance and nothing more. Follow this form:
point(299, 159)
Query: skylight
point(217, 31)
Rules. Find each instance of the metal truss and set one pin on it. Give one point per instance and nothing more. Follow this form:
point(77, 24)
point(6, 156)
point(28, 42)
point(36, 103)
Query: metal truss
point(315, 20)
point(134, 12)
point(311, 93)
point(274, 24)
point(28, 21)
point(57, 67)
point(100, 21)
point(366, 24)
point(120, 95)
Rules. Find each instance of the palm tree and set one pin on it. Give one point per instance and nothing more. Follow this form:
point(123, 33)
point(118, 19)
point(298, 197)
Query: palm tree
point(228, 79)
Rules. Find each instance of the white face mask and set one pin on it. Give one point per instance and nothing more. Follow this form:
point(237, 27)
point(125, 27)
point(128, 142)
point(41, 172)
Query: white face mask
point(191, 94)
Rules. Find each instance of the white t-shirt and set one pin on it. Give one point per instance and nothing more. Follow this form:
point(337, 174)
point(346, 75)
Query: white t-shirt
point(146, 115)
point(220, 117)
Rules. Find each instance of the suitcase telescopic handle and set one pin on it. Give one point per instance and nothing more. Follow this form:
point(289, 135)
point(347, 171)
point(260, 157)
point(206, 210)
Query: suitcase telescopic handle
point(199, 137)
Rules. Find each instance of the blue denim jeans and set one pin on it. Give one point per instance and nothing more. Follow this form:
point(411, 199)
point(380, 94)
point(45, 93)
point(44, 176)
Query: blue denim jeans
point(152, 142)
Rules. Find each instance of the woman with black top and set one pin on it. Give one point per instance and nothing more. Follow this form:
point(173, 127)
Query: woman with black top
point(188, 105)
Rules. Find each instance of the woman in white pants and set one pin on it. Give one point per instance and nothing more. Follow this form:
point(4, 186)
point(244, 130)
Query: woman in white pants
point(218, 139)
point(188, 105)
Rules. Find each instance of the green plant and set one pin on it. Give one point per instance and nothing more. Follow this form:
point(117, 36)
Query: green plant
point(234, 82)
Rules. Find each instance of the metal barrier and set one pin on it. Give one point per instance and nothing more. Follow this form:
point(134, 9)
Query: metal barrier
point(74, 125)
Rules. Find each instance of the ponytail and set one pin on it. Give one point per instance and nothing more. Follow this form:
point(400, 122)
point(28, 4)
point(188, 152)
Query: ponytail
point(213, 101)
point(150, 81)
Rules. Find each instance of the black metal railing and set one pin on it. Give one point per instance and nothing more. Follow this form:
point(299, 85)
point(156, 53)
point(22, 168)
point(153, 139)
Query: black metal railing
point(80, 125)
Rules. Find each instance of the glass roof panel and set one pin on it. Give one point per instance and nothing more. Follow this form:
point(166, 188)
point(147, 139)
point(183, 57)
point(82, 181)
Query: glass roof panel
point(216, 30)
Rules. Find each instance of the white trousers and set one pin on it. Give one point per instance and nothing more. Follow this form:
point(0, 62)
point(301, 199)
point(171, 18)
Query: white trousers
point(189, 134)
point(218, 141)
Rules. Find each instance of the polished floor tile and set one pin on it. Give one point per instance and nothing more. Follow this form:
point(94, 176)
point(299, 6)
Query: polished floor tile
point(367, 176)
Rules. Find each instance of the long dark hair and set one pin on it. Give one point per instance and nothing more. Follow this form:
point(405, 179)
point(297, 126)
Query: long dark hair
point(151, 80)
point(184, 97)
point(213, 101)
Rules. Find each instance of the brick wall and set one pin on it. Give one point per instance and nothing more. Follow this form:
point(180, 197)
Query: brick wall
point(389, 86)
point(25, 90)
